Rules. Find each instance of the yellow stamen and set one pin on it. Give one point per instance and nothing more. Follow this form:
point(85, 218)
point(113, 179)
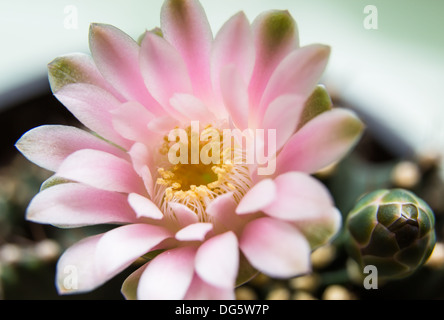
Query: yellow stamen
point(195, 185)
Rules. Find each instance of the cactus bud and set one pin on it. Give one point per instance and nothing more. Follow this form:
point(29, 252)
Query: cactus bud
point(393, 230)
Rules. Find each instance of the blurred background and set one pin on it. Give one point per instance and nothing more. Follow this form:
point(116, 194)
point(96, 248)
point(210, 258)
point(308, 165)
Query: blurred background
point(386, 64)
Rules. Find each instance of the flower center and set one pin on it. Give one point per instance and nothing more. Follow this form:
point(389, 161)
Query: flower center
point(201, 166)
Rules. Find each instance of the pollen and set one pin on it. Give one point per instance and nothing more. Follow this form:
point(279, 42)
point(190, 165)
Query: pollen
point(196, 183)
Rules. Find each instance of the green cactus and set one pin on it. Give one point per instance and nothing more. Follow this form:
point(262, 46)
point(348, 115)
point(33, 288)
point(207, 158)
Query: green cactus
point(393, 230)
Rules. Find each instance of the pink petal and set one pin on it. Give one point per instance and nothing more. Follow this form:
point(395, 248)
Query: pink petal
point(71, 205)
point(221, 212)
point(217, 260)
point(297, 74)
point(275, 36)
point(140, 156)
point(283, 115)
point(130, 120)
point(144, 207)
point(101, 170)
point(191, 108)
point(275, 248)
point(117, 57)
point(185, 25)
point(258, 197)
point(47, 146)
point(76, 270)
point(163, 69)
point(148, 181)
point(299, 197)
point(184, 215)
point(322, 141)
point(77, 68)
point(194, 232)
point(92, 106)
point(234, 92)
point(234, 46)
point(142, 161)
point(201, 290)
point(120, 247)
point(163, 124)
point(168, 276)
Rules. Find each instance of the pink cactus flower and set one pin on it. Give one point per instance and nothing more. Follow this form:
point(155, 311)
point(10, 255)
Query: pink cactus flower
point(203, 228)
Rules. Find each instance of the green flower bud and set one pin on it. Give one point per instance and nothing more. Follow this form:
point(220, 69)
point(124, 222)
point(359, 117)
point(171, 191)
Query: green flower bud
point(393, 230)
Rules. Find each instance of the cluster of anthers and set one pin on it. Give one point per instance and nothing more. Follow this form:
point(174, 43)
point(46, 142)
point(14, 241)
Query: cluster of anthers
point(197, 182)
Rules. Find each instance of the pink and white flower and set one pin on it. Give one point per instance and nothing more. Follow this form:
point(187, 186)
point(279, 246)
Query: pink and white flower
point(208, 227)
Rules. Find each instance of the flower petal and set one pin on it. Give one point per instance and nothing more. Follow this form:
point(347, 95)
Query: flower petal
point(297, 74)
point(275, 248)
point(75, 270)
point(142, 161)
point(191, 107)
point(308, 205)
point(101, 170)
point(258, 197)
point(318, 102)
point(234, 46)
point(185, 25)
point(120, 247)
point(163, 124)
point(275, 36)
point(283, 115)
point(144, 207)
point(140, 156)
point(184, 215)
point(201, 290)
point(131, 120)
point(217, 260)
point(71, 205)
point(234, 92)
point(77, 68)
point(163, 70)
point(299, 197)
point(168, 276)
point(117, 57)
point(221, 212)
point(323, 140)
point(92, 106)
point(194, 232)
point(47, 146)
